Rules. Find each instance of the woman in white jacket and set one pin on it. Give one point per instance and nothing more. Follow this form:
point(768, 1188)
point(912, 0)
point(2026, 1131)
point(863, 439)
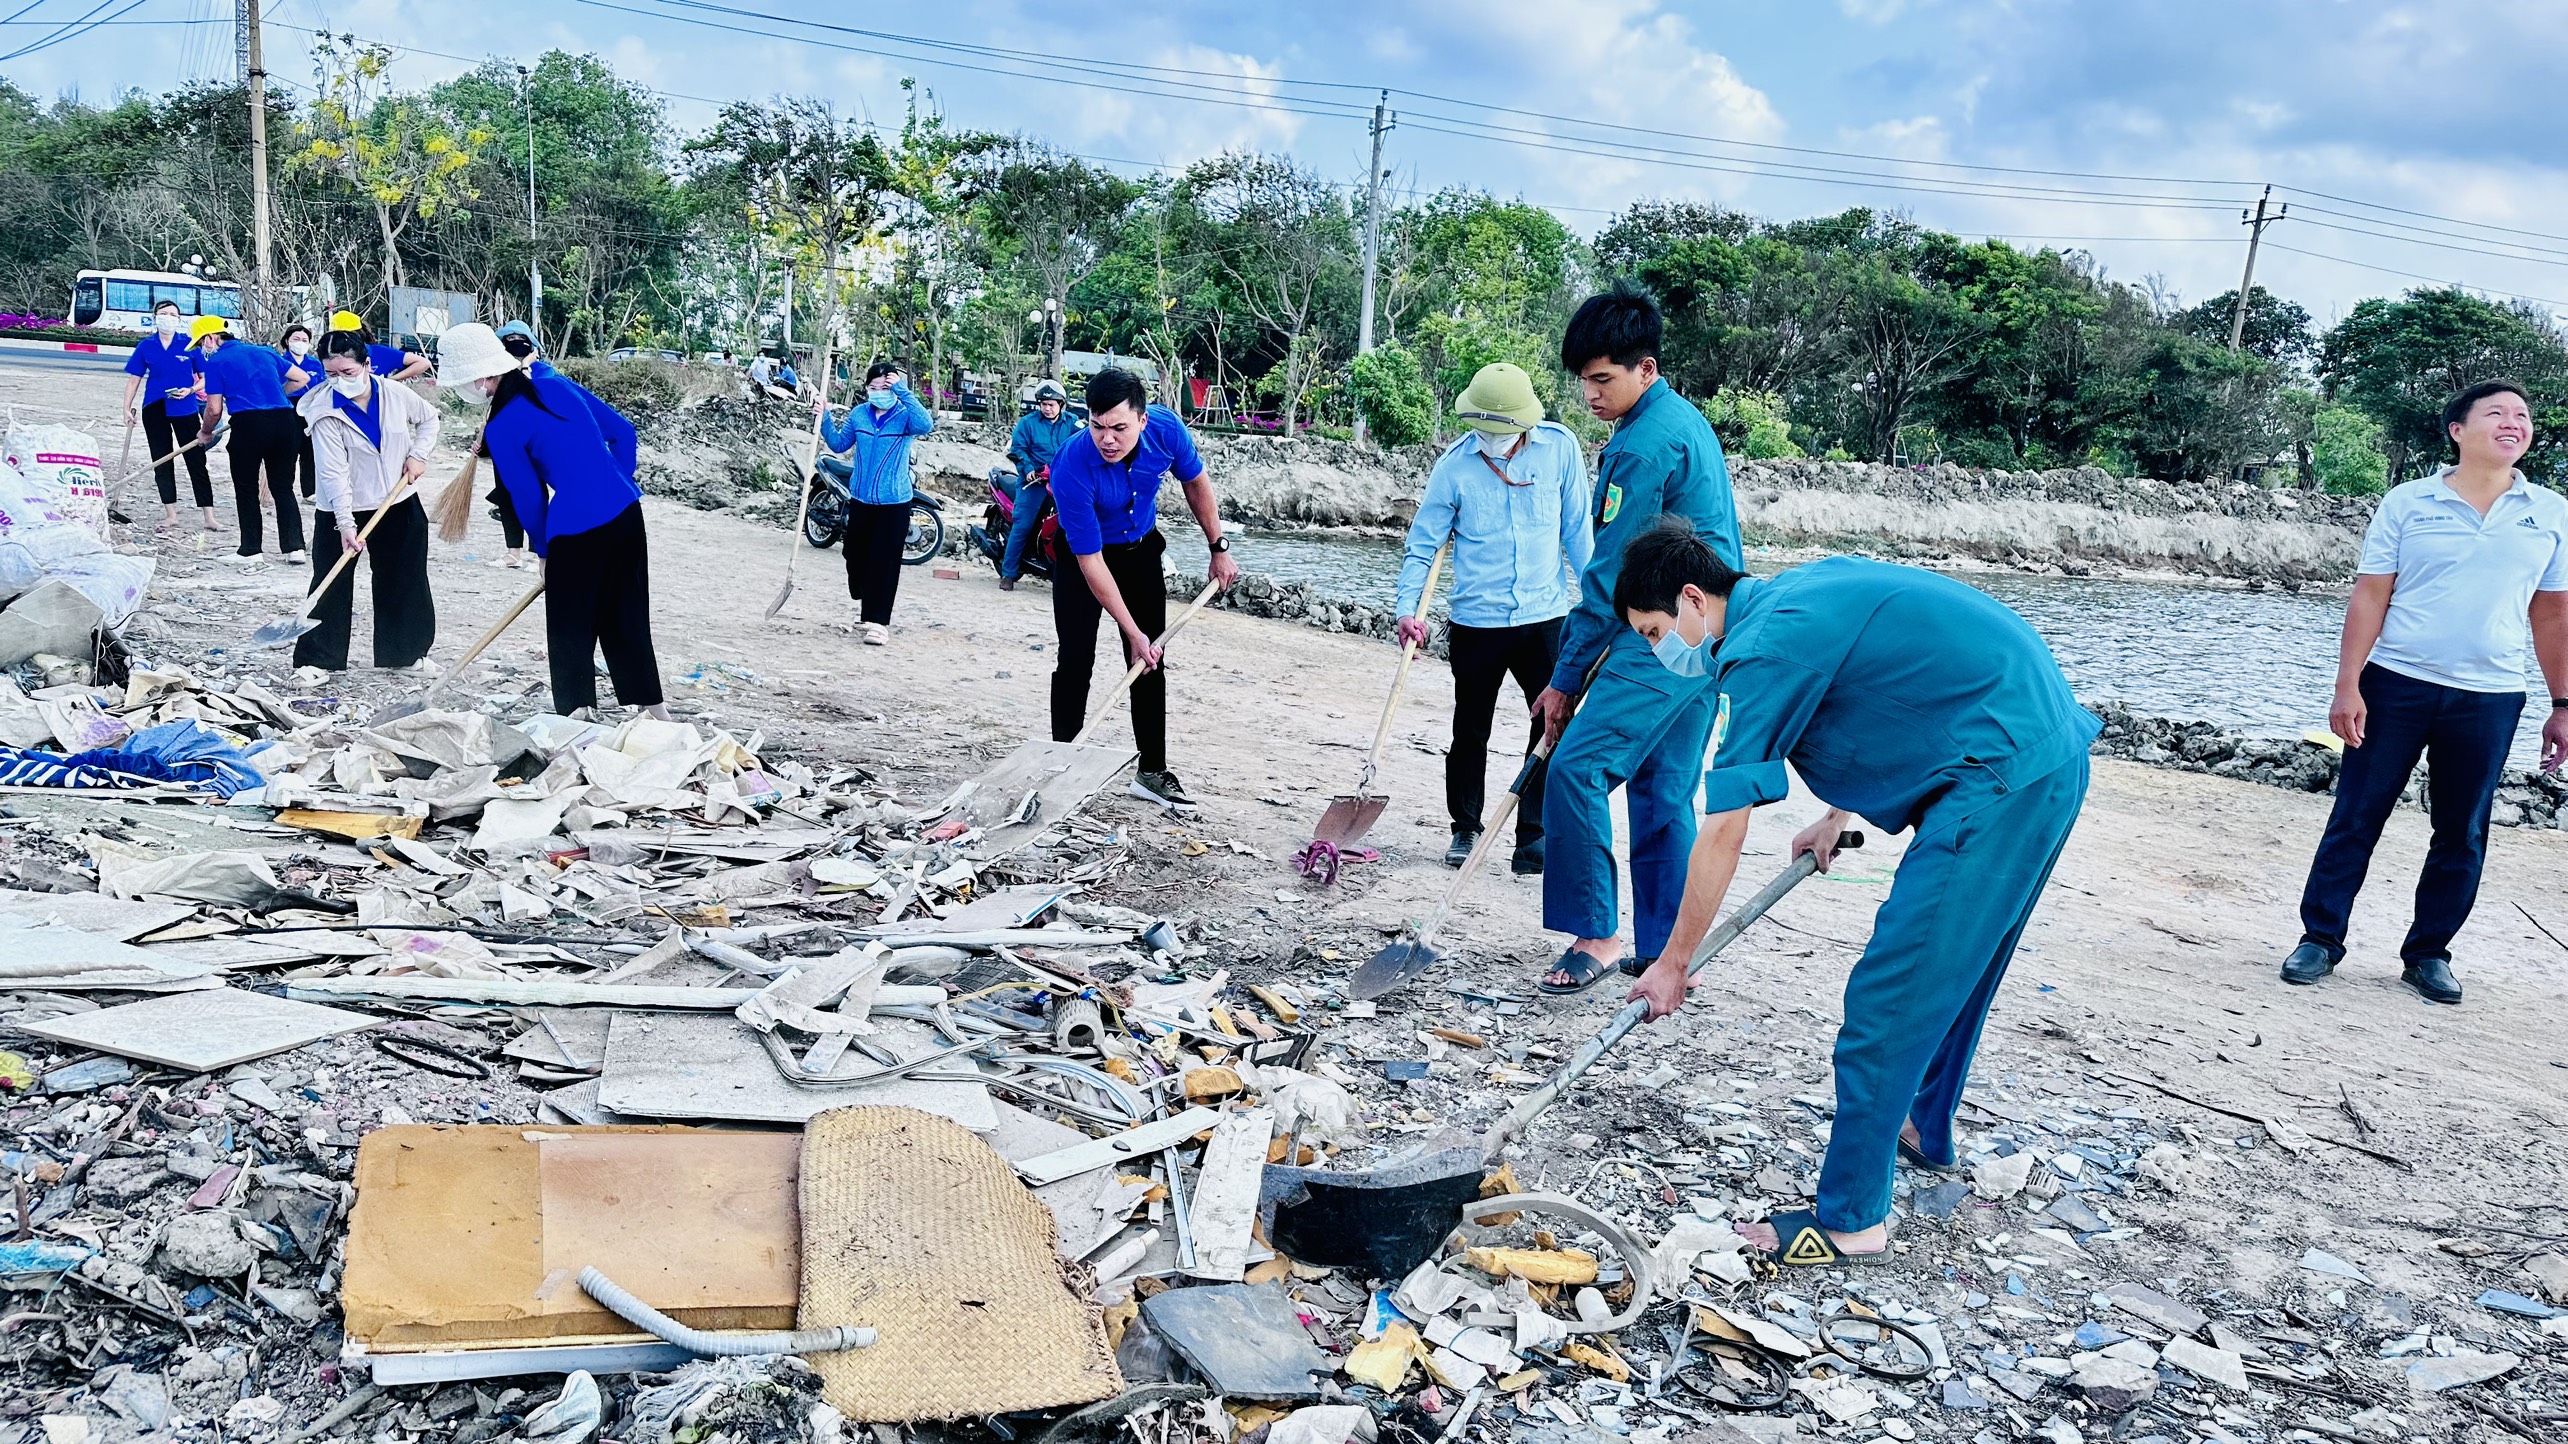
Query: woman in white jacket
point(367, 435)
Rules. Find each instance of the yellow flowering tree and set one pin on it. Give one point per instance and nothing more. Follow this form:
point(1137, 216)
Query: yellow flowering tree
point(402, 158)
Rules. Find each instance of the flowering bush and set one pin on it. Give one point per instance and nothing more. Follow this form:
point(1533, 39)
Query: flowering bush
point(11, 321)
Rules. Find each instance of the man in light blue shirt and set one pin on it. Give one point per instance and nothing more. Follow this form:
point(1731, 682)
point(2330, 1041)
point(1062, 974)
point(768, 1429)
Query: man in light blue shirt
point(1511, 498)
point(2431, 665)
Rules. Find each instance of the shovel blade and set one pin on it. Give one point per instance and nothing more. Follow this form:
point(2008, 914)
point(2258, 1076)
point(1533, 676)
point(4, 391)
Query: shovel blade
point(1390, 968)
point(398, 710)
point(1348, 819)
point(782, 593)
point(282, 631)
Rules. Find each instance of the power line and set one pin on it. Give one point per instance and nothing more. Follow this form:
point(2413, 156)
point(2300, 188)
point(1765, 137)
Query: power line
point(70, 30)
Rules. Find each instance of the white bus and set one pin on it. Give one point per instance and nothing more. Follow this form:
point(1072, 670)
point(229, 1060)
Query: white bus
point(123, 300)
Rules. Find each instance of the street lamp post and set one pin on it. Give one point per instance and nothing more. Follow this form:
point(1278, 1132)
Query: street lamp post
point(534, 272)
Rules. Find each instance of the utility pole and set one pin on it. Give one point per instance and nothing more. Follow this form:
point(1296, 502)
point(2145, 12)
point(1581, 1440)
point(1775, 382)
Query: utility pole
point(2256, 223)
point(534, 270)
point(1372, 238)
point(789, 309)
point(254, 71)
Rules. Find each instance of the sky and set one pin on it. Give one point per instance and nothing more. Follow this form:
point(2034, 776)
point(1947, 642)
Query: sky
point(2414, 143)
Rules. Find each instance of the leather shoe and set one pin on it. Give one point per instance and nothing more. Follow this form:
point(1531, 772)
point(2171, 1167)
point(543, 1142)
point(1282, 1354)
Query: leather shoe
point(2308, 963)
point(1528, 861)
point(2433, 978)
point(1460, 851)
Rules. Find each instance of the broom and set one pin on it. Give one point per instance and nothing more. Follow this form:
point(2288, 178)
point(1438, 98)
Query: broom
point(455, 504)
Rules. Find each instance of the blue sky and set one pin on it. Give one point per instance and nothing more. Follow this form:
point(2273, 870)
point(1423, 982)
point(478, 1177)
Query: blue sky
point(2415, 142)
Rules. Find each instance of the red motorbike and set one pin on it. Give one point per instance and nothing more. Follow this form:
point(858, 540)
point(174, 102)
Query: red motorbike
point(991, 536)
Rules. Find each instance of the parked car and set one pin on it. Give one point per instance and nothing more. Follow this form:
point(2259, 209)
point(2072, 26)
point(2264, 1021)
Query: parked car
point(645, 353)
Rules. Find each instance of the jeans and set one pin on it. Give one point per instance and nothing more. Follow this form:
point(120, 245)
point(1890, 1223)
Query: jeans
point(1031, 499)
point(1075, 610)
point(1483, 659)
point(2464, 737)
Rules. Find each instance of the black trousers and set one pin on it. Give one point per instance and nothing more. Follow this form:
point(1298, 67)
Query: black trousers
point(1075, 610)
point(597, 598)
point(162, 432)
point(267, 441)
point(1483, 658)
point(875, 536)
point(505, 508)
point(303, 467)
point(405, 614)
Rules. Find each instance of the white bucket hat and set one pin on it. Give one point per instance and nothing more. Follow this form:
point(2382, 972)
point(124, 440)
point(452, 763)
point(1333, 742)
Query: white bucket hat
point(471, 352)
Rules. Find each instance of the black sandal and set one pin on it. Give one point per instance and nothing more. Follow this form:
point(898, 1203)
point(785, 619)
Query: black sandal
point(1585, 971)
point(1634, 967)
point(1914, 1157)
point(1801, 1243)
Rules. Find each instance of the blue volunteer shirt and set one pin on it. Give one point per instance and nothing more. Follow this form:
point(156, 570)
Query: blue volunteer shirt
point(568, 464)
point(385, 360)
point(248, 376)
point(1520, 539)
point(2464, 582)
point(168, 369)
point(1663, 458)
point(1102, 503)
point(1892, 691)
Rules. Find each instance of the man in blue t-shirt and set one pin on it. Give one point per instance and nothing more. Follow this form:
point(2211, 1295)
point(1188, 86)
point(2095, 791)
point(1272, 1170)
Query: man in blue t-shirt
point(161, 374)
point(247, 382)
point(1105, 486)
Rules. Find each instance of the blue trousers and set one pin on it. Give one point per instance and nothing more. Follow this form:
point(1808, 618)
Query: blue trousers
point(2464, 737)
point(1031, 497)
point(1644, 728)
point(1918, 997)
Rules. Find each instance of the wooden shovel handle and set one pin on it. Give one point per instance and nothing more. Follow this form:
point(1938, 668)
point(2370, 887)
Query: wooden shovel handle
point(1133, 674)
point(482, 643)
point(811, 452)
point(313, 598)
point(1400, 679)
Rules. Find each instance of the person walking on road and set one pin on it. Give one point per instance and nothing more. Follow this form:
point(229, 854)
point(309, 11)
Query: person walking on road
point(249, 381)
point(1511, 496)
point(368, 435)
point(1917, 702)
point(162, 371)
point(2431, 664)
point(1641, 727)
point(567, 459)
point(1105, 489)
point(877, 434)
point(1038, 438)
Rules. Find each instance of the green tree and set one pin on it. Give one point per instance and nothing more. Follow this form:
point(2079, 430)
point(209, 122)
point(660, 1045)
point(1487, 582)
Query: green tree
point(1750, 424)
point(797, 170)
point(1053, 214)
point(1392, 392)
point(2345, 451)
point(2399, 361)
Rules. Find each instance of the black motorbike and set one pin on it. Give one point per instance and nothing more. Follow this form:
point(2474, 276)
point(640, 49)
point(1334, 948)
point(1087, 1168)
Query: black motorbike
point(825, 516)
point(991, 536)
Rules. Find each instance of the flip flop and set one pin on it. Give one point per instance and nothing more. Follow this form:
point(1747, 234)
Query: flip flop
point(1584, 972)
point(1802, 1243)
point(1914, 1158)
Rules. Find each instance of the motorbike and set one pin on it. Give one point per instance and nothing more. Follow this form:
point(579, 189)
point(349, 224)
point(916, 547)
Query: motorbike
point(991, 536)
point(825, 518)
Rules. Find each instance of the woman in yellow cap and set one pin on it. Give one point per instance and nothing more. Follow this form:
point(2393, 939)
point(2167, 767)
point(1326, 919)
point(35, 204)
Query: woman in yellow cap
point(390, 362)
point(248, 381)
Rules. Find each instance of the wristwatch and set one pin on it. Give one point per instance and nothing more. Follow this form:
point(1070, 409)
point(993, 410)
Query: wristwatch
point(2559, 704)
point(1222, 544)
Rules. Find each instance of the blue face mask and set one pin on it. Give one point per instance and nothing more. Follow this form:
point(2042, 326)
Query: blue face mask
point(882, 399)
point(1683, 658)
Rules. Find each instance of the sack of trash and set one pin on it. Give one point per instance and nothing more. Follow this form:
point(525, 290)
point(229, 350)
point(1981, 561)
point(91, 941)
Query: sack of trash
point(41, 541)
point(61, 462)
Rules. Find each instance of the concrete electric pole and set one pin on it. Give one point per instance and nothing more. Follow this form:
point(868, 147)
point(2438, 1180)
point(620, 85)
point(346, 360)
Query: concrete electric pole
point(254, 75)
point(2256, 221)
point(1382, 122)
point(534, 271)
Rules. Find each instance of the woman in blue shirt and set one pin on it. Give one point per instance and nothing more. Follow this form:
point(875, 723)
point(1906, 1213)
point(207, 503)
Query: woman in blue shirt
point(877, 437)
point(567, 459)
point(163, 368)
point(295, 344)
point(249, 380)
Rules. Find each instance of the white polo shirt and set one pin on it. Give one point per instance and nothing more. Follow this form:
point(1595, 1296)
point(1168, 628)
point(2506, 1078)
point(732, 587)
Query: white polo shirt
point(2465, 582)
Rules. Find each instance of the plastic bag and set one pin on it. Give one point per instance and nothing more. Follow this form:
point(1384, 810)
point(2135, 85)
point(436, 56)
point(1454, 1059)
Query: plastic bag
point(62, 463)
point(23, 503)
point(115, 582)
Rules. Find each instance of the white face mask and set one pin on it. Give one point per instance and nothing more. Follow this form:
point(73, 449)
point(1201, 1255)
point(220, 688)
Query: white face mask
point(166, 325)
point(299, 347)
point(355, 388)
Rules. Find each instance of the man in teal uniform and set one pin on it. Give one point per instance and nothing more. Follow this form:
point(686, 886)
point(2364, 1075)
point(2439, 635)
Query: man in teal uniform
point(1916, 702)
point(1640, 727)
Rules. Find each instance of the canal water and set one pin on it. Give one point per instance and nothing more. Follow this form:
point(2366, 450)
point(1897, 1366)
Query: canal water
point(2258, 663)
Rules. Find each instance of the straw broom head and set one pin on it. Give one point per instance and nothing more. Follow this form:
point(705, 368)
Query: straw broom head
point(455, 503)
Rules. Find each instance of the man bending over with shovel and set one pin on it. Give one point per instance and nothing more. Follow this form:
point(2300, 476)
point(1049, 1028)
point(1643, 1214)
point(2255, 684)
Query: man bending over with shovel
point(1917, 702)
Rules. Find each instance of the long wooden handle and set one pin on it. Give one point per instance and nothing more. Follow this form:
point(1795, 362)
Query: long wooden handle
point(1499, 812)
point(1400, 679)
point(313, 598)
point(174, 454)
point(811, 452)
point(1133, 674)
point(482, 643)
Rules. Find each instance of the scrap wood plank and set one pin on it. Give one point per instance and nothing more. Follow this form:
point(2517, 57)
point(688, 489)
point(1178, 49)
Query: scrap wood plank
point(524, 991)
point(355, 826)
point(1105, 1152)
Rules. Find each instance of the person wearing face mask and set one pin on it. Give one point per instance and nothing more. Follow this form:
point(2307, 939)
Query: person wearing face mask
point(367, 436)
point(390, 362)
point(163, 371)
point(248, 381)
point(1918, 703)
point(1039, 436)
point(877, 435)
point(567, 459)
point(1511, 495)
point(295, 345)
point(1640, 728)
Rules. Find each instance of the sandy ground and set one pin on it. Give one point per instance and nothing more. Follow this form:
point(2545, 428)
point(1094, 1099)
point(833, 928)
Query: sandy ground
point(2153, 956)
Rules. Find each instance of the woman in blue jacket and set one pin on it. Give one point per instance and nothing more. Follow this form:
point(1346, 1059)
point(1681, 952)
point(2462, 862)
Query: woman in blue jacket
point(567, 459)
point(877, 436)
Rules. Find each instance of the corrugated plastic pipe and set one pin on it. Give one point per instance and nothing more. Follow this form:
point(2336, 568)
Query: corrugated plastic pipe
point(640, 1315)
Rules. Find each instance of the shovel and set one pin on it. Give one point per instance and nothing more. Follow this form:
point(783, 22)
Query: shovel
point(1350, 817)
point(1394, 1219)
point(811, 463)
point(286, 629)
point(472, 654)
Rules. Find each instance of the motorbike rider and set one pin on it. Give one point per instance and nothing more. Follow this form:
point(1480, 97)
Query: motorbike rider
point(1039, 436)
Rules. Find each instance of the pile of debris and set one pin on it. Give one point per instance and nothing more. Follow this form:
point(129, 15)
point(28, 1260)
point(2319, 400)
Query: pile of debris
point(357, 1064)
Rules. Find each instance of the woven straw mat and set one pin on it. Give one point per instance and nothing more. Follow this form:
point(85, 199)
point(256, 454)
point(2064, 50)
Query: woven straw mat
point(913, 1226)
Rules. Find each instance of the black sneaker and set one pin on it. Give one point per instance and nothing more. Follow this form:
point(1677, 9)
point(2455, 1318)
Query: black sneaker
point(1164, 789)
point(1528, 861)
point(1459, 851)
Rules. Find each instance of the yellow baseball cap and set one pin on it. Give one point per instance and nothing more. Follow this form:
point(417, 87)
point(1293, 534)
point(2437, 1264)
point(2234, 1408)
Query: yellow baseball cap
point(204, 326)
point(346, 321)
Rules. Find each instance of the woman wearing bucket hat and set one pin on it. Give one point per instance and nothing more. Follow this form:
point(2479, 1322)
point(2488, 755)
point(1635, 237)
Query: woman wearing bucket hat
point(1511, 497)
point(567, 459)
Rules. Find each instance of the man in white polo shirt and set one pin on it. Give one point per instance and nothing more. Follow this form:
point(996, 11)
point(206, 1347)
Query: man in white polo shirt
point(2432, 664)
